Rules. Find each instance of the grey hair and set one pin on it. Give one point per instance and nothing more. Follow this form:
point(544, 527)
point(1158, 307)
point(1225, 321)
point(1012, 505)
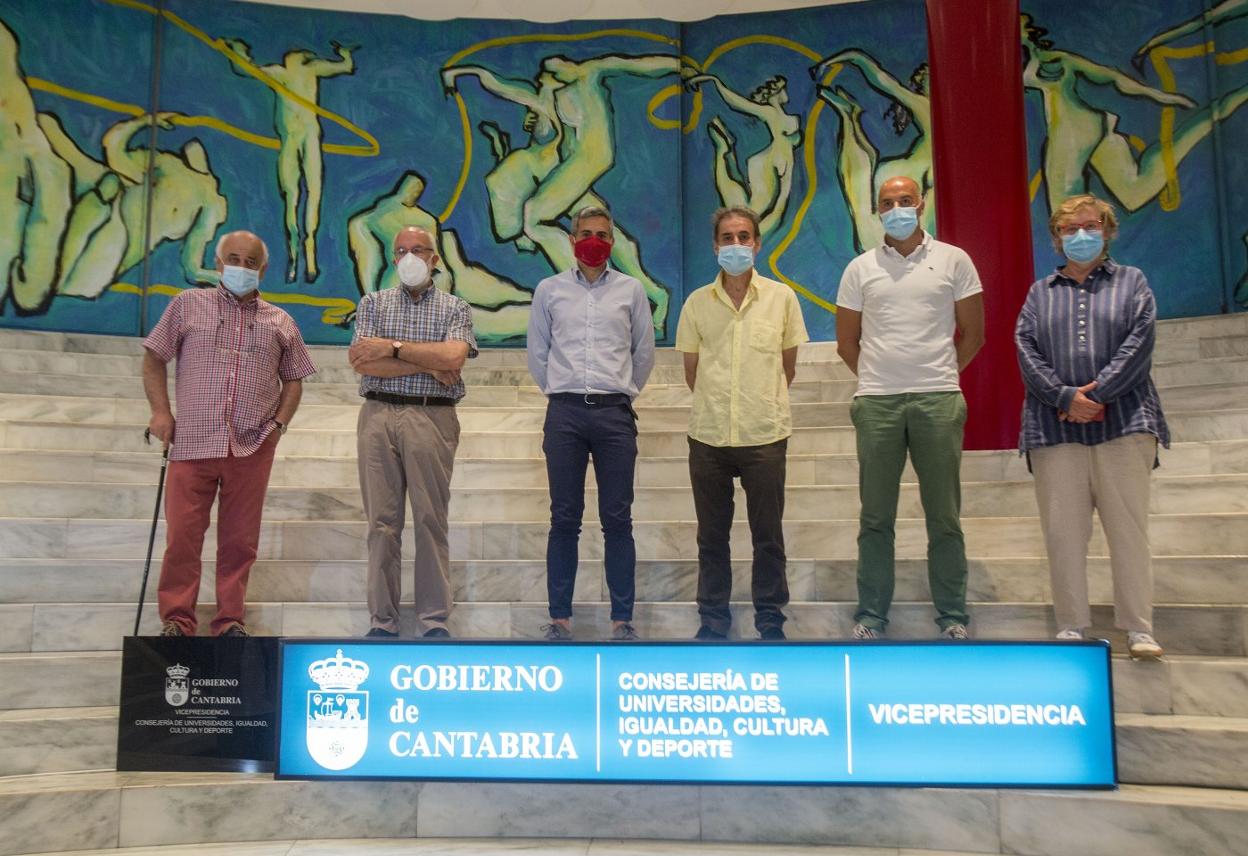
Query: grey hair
point(221, 245)
point(588, 212)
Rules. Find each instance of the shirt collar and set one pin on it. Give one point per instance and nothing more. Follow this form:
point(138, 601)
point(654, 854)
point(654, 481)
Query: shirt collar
point(751, 290)
point(923, 247)
point(601, 280)
point(418, 299)
point(225, 294)
point(1107, 265)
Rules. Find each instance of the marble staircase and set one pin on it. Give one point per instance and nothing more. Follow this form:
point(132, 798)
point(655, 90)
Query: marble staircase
point(76, 490)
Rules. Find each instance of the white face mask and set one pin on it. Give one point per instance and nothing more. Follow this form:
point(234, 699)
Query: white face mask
point(240, 281)
point(414, 272)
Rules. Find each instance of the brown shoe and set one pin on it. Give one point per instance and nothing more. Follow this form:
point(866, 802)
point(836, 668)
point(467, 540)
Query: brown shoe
point(171, 628)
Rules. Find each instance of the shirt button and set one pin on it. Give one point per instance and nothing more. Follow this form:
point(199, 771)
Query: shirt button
point(1083, 306)
point(1082, 337)
point(1082, 322)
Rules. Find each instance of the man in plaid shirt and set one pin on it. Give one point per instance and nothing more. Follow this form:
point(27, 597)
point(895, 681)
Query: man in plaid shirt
point(409, 346)
point(241, 364)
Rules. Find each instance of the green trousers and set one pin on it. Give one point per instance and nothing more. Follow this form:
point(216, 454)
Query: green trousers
point(929, 426)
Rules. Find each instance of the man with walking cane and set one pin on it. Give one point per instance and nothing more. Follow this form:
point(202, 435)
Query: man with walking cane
point(241, 363)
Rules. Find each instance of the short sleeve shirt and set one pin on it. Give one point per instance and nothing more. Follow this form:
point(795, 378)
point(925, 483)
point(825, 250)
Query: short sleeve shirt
point(431, 316)
point(232, 358)
point(741, 396)
point(908, 320)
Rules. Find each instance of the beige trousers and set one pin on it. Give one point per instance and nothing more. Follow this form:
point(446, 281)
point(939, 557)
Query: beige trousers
point(1113, 478)
point(406, 453)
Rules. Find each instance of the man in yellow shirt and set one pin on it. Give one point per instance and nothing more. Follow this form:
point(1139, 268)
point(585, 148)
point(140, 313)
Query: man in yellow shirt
point(739, 336)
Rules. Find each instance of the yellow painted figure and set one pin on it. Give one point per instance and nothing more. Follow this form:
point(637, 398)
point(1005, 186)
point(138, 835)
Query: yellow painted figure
point(768, 178)
point(1082, 136)
point(569, 120)
point(106, 229)
point(861, 170)
point(34, 193)
point(299, 162)
point(500, 307)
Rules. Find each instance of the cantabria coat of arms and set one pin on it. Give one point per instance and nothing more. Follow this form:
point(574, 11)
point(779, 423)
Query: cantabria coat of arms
point(177, 685)
point(337, 712)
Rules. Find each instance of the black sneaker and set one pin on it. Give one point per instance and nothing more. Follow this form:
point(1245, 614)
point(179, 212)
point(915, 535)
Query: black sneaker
point(382, 633)
point(437, 633)
point(235, 631)
point(705, 633)
point(772, 634)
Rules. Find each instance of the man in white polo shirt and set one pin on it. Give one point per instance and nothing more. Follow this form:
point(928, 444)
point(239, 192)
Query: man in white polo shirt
point(897, 311)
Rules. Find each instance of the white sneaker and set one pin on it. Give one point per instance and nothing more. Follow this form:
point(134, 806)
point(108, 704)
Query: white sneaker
point(1142, 646)
point(1071, 634)
point(861, 631)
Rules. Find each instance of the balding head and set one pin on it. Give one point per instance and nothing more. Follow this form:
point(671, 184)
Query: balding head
point(901, 192)
point(242, 249)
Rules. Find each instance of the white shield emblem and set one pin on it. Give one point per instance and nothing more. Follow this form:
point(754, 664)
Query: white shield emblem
point(337, 734)
point(337, 727)
point(177, 685)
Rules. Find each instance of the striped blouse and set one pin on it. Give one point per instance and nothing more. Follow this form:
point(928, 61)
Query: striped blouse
point(1070, 334)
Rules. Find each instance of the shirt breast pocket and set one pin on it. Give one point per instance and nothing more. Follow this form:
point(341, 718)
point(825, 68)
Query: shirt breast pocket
point(262, 341)
point(765, 336)
point(204, 336)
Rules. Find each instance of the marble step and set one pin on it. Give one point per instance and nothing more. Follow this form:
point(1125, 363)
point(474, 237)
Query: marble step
point(45, 434)
point(66, 626)
point(333, 367)
point(1178, 580)
point(101, 809)
point(301, 441)
point(56, 740)
point(115, 411)
point(1200, 751)
point(1193, 494)
point(1183, 386)
point(1196, 425)
point(1223, 534)
point(1225, 400)
point(1204, 751)
point(78, 465)
point(510, 395)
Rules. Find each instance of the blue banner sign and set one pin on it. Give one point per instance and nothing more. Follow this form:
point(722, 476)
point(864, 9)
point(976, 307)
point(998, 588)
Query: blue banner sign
point(961, 714)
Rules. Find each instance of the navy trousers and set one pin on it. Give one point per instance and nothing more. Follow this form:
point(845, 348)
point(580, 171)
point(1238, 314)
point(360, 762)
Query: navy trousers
point(576, 431)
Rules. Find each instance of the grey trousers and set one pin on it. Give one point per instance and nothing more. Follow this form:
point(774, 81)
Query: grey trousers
point(1113, 478)
point(406, 454)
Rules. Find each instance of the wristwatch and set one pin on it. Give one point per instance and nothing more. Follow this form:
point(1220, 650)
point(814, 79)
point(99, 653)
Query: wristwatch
point(281, 426)
point(394, 346)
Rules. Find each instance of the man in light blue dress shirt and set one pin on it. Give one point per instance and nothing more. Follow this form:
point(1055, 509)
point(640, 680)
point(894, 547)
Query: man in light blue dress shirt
point(590, 349)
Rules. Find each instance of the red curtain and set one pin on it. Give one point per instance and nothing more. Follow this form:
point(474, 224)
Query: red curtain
point(980, 175)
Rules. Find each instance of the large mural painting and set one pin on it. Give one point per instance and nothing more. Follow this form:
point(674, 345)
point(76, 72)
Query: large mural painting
point(134, 134)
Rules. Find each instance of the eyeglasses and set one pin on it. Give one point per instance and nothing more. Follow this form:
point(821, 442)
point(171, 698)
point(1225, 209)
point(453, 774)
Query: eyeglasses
point(1092, 226)
point(420, 251)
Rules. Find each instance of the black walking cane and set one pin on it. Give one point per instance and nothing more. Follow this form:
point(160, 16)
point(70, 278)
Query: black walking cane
point(151, 538)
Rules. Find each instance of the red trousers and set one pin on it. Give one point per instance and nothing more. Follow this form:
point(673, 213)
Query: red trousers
point(190, 489)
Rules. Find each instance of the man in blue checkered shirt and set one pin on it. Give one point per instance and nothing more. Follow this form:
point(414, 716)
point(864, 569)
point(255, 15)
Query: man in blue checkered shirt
point(409, 346)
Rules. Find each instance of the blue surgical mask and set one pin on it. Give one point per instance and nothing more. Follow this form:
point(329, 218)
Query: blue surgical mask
point(1083, 246)
point(900, 223)
point(736, 258)
point(240, 281)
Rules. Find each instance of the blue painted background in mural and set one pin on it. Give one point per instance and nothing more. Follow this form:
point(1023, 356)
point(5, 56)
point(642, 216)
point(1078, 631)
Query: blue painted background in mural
point(488, 132)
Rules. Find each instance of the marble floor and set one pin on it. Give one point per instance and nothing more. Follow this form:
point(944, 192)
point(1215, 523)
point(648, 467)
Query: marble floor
point(499, 847)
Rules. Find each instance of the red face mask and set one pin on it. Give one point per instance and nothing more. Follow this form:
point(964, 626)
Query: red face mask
point(592, 251)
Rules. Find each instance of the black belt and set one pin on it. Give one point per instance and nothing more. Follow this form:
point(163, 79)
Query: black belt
point(592, 399)
point(418, 400)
